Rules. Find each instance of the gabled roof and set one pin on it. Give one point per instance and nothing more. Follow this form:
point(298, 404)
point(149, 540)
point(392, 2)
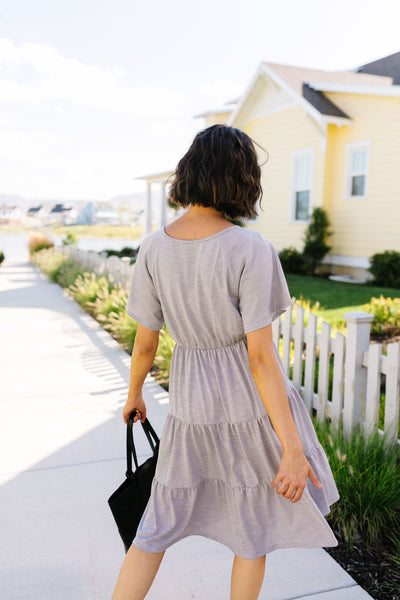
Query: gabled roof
point(296, 76)
point(307, 86)
point(388, 66)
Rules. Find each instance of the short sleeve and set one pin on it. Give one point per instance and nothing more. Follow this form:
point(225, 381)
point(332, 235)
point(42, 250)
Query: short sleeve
point(143, 301)
point(263, 291)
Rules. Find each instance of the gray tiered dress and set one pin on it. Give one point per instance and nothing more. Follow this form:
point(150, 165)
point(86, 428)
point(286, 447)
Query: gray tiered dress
point(219, 452)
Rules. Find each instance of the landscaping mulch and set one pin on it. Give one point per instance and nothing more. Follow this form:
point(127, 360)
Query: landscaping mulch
point(370, 568)
point(384, 338)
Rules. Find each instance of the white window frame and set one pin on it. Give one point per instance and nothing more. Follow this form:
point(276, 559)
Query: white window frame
point(350, 149)
point(305, 152)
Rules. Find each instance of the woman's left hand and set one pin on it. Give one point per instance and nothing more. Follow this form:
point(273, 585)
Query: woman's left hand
point(134, 403)
point(292, 476)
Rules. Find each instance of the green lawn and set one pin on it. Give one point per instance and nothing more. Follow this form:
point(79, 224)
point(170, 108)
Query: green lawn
point(335, 298)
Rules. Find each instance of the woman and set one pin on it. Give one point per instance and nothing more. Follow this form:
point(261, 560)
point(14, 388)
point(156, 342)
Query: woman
point(239, 459)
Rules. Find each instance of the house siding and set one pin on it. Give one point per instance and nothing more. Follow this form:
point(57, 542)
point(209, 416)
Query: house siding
point(362, 227)
point(282, 133)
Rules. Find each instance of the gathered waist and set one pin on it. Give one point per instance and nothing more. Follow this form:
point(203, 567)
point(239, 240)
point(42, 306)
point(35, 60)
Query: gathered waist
point(205, 348)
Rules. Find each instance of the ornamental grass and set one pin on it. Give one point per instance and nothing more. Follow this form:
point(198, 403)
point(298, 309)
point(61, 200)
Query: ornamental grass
point(366, 468)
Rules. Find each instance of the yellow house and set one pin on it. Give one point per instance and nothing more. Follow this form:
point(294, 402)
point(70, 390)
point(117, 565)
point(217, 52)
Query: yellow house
point(333, 139)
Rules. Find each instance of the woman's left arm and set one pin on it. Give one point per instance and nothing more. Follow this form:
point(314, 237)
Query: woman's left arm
point(143, 353)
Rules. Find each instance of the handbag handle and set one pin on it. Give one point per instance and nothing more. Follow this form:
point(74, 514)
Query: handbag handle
point(152, 438)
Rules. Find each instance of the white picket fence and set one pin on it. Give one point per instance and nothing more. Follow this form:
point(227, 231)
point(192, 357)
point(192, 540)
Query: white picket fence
point(358, 369)
point(354, 364)
point(117, 269)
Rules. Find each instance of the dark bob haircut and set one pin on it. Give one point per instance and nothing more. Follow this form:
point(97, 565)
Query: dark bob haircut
point(219, 170)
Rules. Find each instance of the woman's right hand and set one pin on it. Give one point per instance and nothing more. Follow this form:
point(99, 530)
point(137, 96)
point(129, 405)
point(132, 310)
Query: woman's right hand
point(292, 475)
point(135, 402)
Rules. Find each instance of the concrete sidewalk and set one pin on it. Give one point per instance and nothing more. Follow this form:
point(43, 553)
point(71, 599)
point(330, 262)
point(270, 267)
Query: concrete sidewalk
point(62, 446)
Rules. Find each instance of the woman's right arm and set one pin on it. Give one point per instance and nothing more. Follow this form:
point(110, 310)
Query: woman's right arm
point(294, 468)
point(143, 353)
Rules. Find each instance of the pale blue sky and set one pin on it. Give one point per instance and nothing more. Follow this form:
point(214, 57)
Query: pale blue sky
point(94, 93)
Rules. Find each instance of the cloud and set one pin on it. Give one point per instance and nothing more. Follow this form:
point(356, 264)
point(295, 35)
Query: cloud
point(36, 73)
point(70, 129)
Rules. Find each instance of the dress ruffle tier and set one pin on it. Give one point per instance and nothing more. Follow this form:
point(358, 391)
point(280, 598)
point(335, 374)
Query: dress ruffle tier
point(242, 510)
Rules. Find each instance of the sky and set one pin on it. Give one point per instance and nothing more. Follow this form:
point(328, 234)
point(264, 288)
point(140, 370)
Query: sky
point(96, 93)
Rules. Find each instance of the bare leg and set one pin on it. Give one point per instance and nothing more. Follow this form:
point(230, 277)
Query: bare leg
point(247, 578)
point(137, 574)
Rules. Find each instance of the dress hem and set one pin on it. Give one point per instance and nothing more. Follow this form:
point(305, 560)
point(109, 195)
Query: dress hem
point(224, 543)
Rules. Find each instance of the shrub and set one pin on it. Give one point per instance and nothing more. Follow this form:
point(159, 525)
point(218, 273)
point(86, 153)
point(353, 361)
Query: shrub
point(292, 261)
point(315, 240)
point(386, 313)
point(385, 267)
point(68, 273)
point(49, 261)
point(71, 239)
point(126, 251)
point(366, 469)
point(122, 327)
point(86, 287)
point(1, 256)
point(57, 266)
point(108, 301)
point(38, 241)
point(314, 250)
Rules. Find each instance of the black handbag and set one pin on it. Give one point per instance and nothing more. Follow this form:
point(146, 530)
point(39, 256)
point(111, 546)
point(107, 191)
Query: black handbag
point(128, 502)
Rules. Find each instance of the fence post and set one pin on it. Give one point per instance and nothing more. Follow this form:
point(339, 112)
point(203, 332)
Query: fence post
point(355, 377)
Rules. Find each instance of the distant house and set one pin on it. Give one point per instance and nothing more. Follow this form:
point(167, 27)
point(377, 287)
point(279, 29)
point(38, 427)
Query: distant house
point(333, 141)
point(59, 214)
point(106, 214)
point(33, 211)
point(85, 214)
point(10, 215)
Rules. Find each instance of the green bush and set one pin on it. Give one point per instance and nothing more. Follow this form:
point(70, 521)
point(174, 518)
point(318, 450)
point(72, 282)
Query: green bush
point(366, 469)
point(315, 240)
point(1, 256)
point(315, 246)
point(385, 267)
point(71, 239)
point(292, 261)
point(126, 251)
point(386, 313)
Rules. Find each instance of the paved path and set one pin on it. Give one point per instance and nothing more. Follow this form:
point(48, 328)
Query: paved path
point(63, 384)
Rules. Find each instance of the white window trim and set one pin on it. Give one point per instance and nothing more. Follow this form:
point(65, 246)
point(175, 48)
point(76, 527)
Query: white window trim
point(350, 148)
point(292, 203)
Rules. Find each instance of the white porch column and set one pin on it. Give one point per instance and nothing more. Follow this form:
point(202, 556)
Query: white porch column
point(163, 207)
point(147, 219)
